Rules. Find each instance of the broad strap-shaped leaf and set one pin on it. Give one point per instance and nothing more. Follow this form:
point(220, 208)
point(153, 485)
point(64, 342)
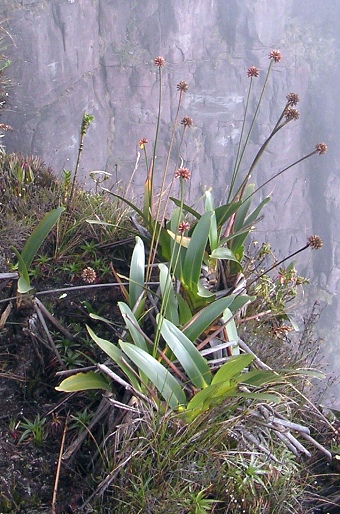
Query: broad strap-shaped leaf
point(158, 375)
point(24, 284)
point(39, 234)
point(137, 272)
point(195, 252)
point(169, 298)
point(186, 208)
point(206, 317)
point(132, 326)
point(240, 301)
point(208, 398)
point(83, 382)
point(194, 365)
point(224, 212)
point(213, 232)
point(231, 329)
point(259, 377)
point(232, 368)
point(116, 355)
point(222, 252)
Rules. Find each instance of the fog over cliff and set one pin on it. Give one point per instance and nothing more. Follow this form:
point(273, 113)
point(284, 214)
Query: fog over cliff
point(71, 56)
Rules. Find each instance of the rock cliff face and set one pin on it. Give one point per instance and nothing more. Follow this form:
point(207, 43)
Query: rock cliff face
point(71, 56)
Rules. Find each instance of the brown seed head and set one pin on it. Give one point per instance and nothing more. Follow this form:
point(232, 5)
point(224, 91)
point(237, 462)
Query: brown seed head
point(276, 55)
point(252, 71)
point(291, 114)
point(3, 126)
point(292, 99)
point(88, 275)
point(183, 173)
point(159, 61)
point(321, 148)
point(315, 242)
point(183, 226)
point(186, 121)
point(182, 86)
point(142, 142)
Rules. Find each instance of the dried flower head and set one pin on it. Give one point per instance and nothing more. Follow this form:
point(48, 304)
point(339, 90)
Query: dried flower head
point(183, 173)
point(291, 114)
point(159, 61)
point(88, 275)
point(182, 86)
point(142, 142)
point(252, 71)
point(186, 121)
point(276, 55)
point(3, 126)
point(183, 226)
point(315, 242)
point(321, 148)
point(292, 99)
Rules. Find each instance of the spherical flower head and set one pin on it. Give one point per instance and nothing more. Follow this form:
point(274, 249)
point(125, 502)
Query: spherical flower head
point(291, 114)
point(321, 148)
point(5, 127)
point(252, 71)
point(183, 173)
point(292, 99)
point(183, 226)
point(315, 242)
point(159, 61)
point(88, 275)
point(182, 86)
point(142, 143)
point(186, 121)
point(276, 55)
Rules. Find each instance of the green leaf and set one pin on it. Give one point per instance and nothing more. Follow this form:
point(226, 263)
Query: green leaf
point(195, 252)
point(244, 207)
point(195, 366)
point(254, 215)
point(213, 233)
point(240, 301)
point(230, 327)
point(137, 272)
point(132, 324)
point(116, 355)
point(209, 397)
point(83, 382)
point(130, 204)
point(185, 313)
point(186, 208)
point(39, 234)
point(206, 317)
point(224, 212)
point(170, 303)
point(159, 376)
point(232, 367)
point(258, 377)
point(24, 284)
point(222, 252)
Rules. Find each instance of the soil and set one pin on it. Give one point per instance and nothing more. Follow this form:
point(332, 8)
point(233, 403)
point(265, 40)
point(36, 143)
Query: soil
point(28, 367)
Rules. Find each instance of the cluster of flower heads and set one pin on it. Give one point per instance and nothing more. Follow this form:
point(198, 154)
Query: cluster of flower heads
point(290, 113)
